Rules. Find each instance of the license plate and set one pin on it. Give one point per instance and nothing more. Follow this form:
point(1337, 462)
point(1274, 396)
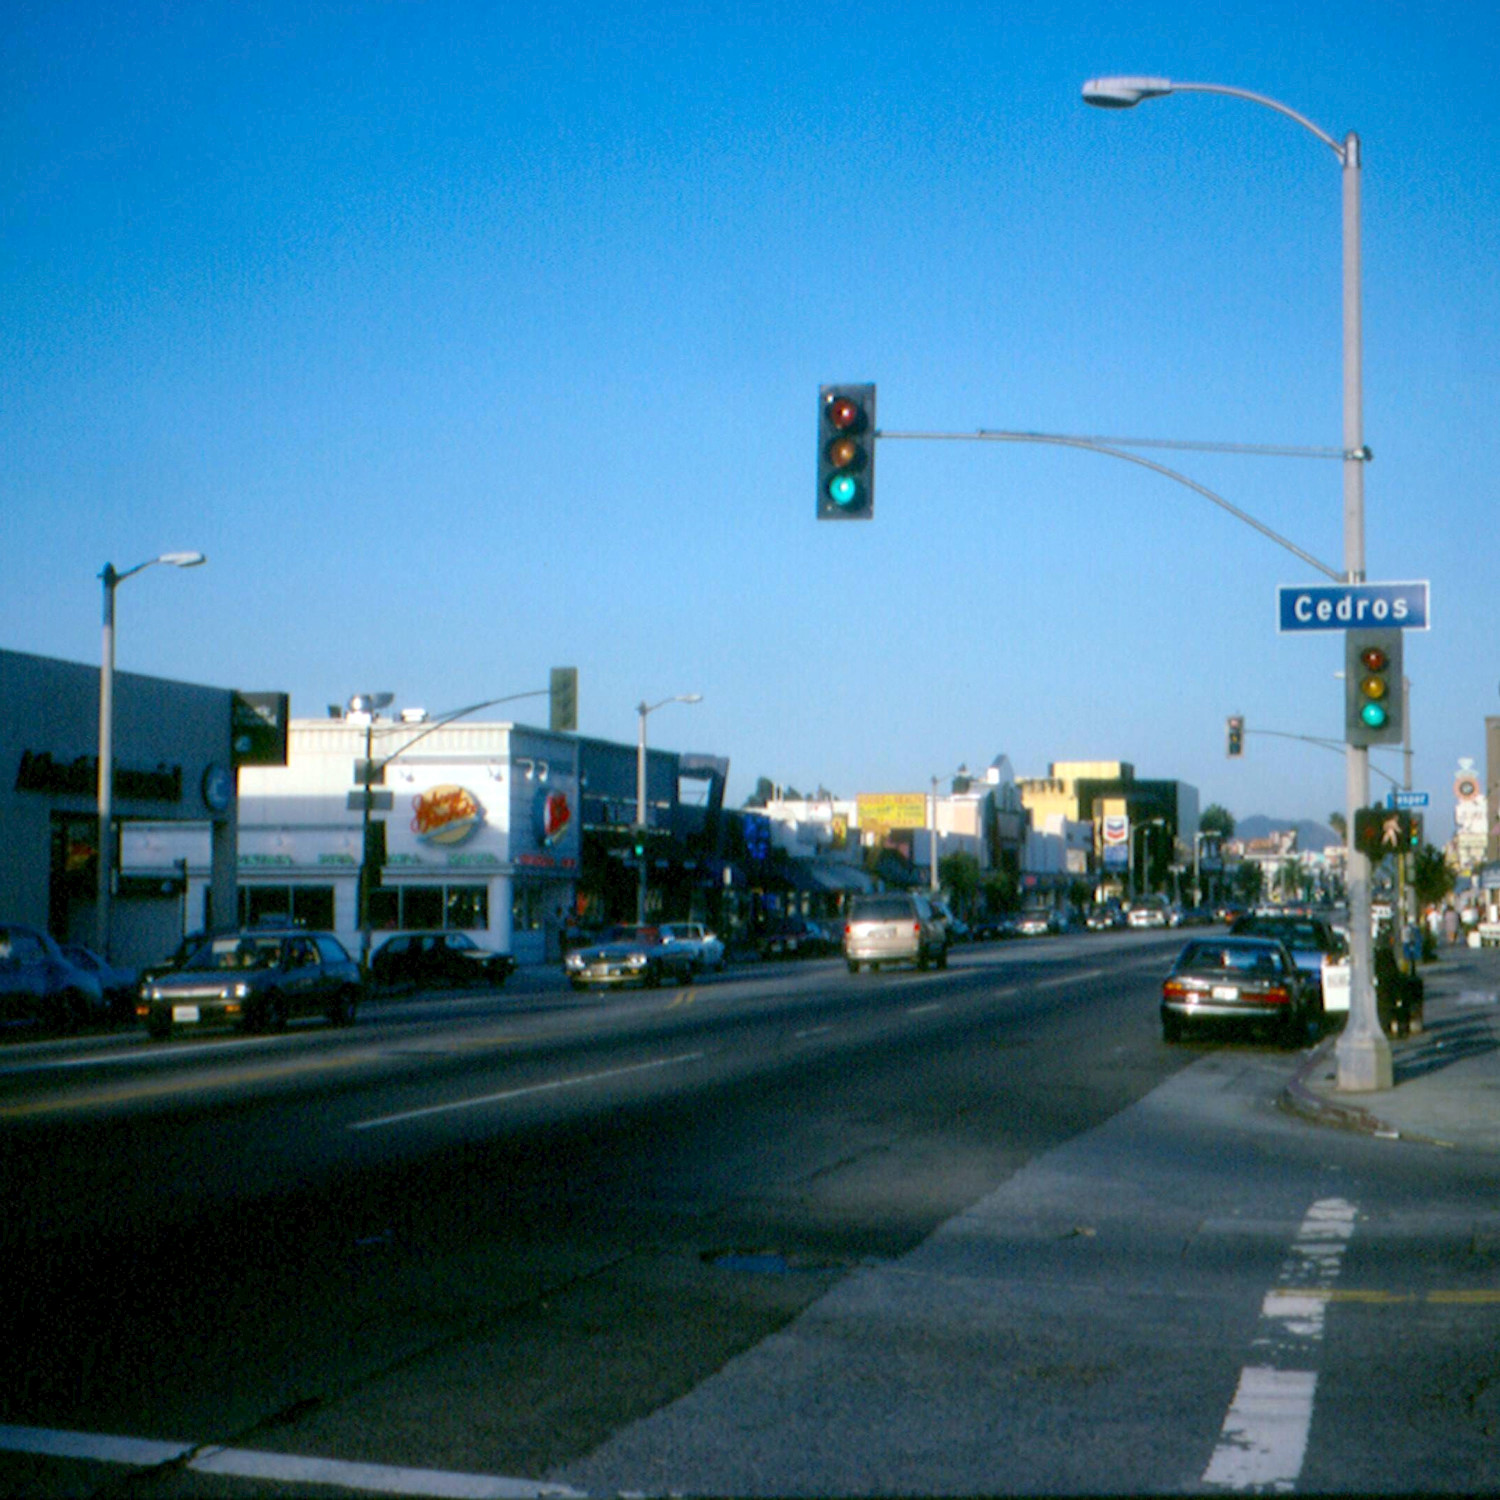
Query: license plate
point(884, 932)
point(185, 1013)
point(1225, 992)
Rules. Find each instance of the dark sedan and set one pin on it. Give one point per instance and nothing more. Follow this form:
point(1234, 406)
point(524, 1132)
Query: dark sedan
point(1238, 979)
point(40, 985)
point(1309, 940)
point(445, 959)
point(258, 980)
point(629, 955)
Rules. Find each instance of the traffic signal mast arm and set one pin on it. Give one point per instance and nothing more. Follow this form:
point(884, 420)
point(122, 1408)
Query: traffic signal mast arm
point(1337, 746)
point(1096, 445)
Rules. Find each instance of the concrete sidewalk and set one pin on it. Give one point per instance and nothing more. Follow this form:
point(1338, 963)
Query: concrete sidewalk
point(1447, 1089)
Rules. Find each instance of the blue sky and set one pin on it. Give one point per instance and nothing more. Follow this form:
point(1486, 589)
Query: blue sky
point(472, 339)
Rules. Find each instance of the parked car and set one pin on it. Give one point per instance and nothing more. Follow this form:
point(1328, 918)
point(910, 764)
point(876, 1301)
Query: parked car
point(706, 947)
point(1311, 941)
point(256, 979)
point(446, 959)
point(894, 928)
point(629, 955)
point(118, 985)
point(1148, 914)
point(40, 985)
point(795, 937)
point(1105, 916)
point(1039, 922)
point(1237, 979)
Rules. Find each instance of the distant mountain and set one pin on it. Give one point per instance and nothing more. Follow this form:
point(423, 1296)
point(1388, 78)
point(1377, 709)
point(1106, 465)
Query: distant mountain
point(1310, 833)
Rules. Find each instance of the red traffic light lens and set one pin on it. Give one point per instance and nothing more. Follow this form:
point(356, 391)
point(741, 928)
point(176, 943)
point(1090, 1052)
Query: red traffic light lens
point(843, 413)
point(1375, 659)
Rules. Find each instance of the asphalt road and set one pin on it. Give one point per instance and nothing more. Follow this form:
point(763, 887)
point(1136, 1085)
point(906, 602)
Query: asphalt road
point(792, 1230)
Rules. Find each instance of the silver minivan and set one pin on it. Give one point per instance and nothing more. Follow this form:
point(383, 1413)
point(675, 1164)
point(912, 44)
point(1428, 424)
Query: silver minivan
point(893, 928)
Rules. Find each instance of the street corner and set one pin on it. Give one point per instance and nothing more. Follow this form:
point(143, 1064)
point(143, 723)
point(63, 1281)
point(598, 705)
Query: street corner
point(1312, 1094)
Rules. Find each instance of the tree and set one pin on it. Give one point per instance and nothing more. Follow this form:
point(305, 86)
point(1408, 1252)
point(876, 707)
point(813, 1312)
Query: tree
point(1249, 881)
point(1340, 825)
point(765, 790)
point(1216, 819)
point(1432, 877)
point(959, 873)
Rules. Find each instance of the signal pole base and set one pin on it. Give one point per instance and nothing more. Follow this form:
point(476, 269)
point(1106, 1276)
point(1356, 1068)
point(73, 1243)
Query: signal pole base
point(1364, 1064)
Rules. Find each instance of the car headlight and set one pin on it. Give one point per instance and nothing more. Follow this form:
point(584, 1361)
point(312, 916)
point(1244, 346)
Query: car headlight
point(241, 991)
point(637, 961)
point(573, 961)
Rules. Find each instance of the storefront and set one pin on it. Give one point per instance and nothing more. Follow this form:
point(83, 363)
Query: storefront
point(174, 756)
point(474, 827)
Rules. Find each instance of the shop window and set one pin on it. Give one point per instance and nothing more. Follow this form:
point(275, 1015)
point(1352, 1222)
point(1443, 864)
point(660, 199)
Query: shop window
point(385, 909)
point(422, 907)
point(466, 907)
point(305, 905)
point(526, 909)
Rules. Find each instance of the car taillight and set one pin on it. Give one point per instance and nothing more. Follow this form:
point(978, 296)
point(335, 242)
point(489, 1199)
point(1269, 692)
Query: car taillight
point(1174, 989)
point(1278, 996)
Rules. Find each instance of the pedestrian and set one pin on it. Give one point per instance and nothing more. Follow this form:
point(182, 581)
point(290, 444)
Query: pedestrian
point(1450, 925)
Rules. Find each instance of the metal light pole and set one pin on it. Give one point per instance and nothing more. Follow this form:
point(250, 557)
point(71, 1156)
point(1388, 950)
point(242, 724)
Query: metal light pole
point(643, 709)
point(1363, 1052)
point(1145, 864)
point(106, 783)
point(368, 704)
point(934, 883)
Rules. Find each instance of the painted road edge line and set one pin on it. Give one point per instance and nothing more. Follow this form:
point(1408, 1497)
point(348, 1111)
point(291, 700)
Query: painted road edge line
point(245, 1463)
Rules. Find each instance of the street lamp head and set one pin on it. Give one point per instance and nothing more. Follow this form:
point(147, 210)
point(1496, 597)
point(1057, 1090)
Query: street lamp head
point(691, 698)
point(183, 559)
point(1122, 93)
point(369, 703)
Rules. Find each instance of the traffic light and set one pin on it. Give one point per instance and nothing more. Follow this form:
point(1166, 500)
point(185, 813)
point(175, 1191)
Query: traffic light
point(846, 453)
point(563, 691)
point(1414, 830)
point(1373, 700)
point(1236, 734)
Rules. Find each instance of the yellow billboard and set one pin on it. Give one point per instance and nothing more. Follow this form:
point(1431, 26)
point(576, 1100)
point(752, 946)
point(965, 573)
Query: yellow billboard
point(880, 812)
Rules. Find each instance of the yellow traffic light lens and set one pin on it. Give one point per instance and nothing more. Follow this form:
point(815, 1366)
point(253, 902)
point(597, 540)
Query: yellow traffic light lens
point(1374, 687)
point(842, 452)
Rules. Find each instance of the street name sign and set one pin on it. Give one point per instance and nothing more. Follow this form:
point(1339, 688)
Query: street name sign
point(1352, 606)
point(1408, 799)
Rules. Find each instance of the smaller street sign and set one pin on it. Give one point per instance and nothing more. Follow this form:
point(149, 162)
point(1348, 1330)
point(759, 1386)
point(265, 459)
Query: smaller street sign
point(1352, 606)
point(1407, 799)
point(379, 801)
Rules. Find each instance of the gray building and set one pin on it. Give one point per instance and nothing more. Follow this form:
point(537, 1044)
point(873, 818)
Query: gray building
point(174, 758)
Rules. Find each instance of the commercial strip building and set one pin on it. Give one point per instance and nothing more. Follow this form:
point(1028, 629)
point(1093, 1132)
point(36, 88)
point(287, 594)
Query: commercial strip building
point(174, 757)
point(510, 833)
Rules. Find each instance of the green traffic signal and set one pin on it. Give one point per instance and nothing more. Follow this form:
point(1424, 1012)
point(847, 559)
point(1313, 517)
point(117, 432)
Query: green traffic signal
point(846, 453)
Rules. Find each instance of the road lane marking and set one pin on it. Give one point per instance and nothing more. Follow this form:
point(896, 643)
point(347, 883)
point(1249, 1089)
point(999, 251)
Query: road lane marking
point(922, 1010)
point(802, 1036)
point(685, 998)
point(1263, 1441)
point(286, 1468)
point(552, 1086)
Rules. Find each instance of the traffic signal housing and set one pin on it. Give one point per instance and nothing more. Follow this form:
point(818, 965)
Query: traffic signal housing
point(846, 453)
point(1374, 704)
point(563, 699)
point(1235, 735)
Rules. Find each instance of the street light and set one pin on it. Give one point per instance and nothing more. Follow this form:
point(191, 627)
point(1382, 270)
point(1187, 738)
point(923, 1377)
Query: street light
point(1142, 829)
point(1364, 1054)
point(643, 709)
point(106, 785)
point(368, 704)
point(963, 770)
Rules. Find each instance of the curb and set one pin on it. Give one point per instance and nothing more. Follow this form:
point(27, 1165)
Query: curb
point(1298, 1098)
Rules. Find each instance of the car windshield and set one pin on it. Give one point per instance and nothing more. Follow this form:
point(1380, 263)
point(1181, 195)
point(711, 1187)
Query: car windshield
point(1295, 934)
point(644, 936)
point(238, 953)
point(881, 909)
point(1233, 958)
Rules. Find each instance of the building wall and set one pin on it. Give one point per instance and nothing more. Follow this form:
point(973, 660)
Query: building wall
point(171, 731)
